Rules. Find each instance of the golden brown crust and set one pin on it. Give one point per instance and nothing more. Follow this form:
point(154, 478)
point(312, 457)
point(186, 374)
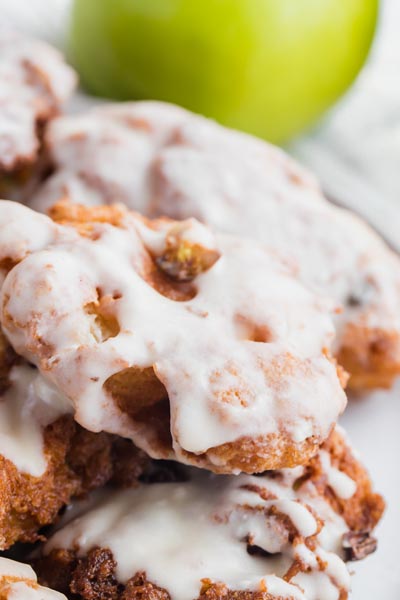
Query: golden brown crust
point(93, 578)
point(83, 217)
point(364, 509)
point(20, 179)
point(366, 293)
point(218, 591)
point(8, 358)
point(78, 461)
point(255, 455)
point(35, 84)
point(139, 393)
point(371, 356)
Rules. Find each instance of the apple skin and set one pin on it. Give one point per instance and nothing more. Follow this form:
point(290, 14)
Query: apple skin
point(268, 67)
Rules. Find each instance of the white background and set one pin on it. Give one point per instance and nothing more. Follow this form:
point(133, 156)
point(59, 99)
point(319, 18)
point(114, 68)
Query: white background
point(356, 153)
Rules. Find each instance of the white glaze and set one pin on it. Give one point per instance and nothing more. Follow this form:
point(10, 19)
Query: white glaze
point(220, 385)
point(19, 582)
point(180, 533)
point(343, 486)
point(34, 82)
point(29, 404)
point(12, 568)
point(165, 161)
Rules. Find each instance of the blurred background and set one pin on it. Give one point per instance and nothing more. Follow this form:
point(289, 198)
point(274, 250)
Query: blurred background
point(354, 148)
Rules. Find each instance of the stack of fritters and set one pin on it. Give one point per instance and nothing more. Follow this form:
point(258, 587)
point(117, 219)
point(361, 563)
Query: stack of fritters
point(175, 387)
point(161, 160)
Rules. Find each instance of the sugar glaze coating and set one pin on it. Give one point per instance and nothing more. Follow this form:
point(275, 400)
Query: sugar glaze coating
point(242, 353)
point(35, 82)
point(162, 160)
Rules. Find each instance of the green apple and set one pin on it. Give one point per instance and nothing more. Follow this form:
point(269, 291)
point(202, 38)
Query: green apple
point(269, 67)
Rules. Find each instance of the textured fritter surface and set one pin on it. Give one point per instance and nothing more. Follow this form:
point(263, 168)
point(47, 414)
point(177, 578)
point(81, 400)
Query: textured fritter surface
point(93, 578)
point(35, 82)
point(200, 347)
point(298, 526)
point(162, 160)
point(19, 582)
point(75, 461)
point(78, 461)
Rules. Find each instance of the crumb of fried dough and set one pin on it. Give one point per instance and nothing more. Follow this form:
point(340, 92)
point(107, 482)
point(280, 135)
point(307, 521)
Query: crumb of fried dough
point(78, 461)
